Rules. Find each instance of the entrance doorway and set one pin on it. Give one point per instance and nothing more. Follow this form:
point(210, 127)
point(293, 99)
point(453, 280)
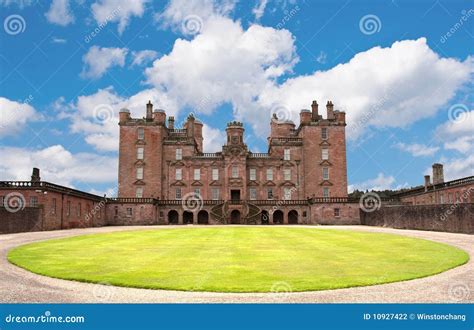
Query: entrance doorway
point(235, 195)
point(235, 217)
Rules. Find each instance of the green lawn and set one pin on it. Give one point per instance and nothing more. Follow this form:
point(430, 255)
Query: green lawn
point(238, 259)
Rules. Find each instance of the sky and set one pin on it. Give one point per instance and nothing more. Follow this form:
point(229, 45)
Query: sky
point(401, 70)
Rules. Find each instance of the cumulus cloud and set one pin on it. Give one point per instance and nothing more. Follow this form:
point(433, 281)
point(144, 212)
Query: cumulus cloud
point(259, 9)
point(417, 150)
point(98, 60)
point(381, 182)
point(214, 139)
point(60, 13)
point(120, 11)
point(458, 133)
point(143, 57)
point(15, 115)
point(57, 165)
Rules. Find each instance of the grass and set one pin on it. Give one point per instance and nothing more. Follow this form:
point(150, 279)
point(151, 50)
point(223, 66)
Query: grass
point(238, 259)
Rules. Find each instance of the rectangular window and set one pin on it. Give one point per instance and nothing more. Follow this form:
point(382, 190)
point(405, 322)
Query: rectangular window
point(68, 208)
point(197, 174)
point(53, 206)
point(129, 211)
point(179, 154)
point(141, 133)
point(215, 174)
point(197, 192)
point(178, 193)
point(337, 213)
point(235, 172)
point(269, 174)
point(450, 196)
point(441, 198)
point(287, 193)
point(179, 174)
point(215, 194)
point(324, 133)
point(253, 193)
point(140, 173)
point(325, 173)
point(269, 193)
point(140, 153)
point(325, 154)
point(287, 174)
point(139, 192)
point(457, 197)
point(286, 155)
point(325, 192)
point(253, 174)
point(33, 201)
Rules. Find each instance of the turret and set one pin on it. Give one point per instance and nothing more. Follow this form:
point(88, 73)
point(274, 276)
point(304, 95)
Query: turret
point(171, 122)
point(305, 117)
point(124, 115)
point(438, 175)
point(235, 133)
point(159, 116)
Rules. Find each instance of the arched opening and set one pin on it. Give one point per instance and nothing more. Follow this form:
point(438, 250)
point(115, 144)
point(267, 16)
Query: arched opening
point(203, 217)
point(278, 217)
point(293, 217)
point(173, 217)
point(187, 218)
point(235, 217)
point(264, 217)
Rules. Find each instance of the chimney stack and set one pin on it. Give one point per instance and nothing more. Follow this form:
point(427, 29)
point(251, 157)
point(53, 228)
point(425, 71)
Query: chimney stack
point(427, 182)
point(438, 175)
point(35, 176)
point(149, 111)
point(314, 111)
point(170, 122)
point(330, 110)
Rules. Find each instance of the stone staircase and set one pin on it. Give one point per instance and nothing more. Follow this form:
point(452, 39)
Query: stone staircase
point(253, 214)
point(250, 213)
point(219, 213)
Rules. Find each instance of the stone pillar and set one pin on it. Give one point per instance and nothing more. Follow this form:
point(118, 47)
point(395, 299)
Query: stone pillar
point(195, 218)
point(285, 217)
point(270, 218)
point(180, 218)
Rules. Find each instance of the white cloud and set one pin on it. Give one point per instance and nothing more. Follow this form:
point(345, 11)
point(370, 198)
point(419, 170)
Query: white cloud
point(120, 11)
point(456, 168)
point(21, 3)
point(60, 13)
point(259, 9)
point(458, 134)
point(14, 116)
point(143, 56)
point(417, 150)
point(381, 182)
point(214, 139)
point(322, 57)
point(57, 165)
point(98, 60)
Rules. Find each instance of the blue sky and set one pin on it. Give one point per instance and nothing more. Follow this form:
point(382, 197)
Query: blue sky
point(402, 71)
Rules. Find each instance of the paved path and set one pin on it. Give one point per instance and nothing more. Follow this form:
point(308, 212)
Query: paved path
point(19, 285)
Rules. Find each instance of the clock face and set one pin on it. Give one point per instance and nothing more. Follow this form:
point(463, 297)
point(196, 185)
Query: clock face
point(235, 139)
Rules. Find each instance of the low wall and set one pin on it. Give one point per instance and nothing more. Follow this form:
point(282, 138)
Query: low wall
point(455, 218)
point(27, 219)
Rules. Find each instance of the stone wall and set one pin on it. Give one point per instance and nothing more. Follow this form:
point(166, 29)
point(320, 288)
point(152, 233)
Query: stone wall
point(27, 219)
point(455, 218)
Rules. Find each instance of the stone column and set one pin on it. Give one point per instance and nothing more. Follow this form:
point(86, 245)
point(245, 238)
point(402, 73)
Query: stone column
point(270, 218)
point(180, 218)
point(285, 217)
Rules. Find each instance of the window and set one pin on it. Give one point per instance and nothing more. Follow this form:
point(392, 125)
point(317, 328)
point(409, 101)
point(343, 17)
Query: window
point(337, 213)
point(287, 174)
point(215, 174)
point(178, 193)
point(325, 192)
point(53, 206)
point(325, 154)
point(141, 133)
point(33, 201)
point(129, 211)
point(179, 154)
point(253, 174)
point(450, 197)
point(197, 174)
point(457, 197)
point(68, 209)
point(215, 193)
point(179, 174)
point(269, 193)
point(139, 192)
point(140, 173)
point(287, 193)
point(324, 133)
point(286, 155)
point(325, 173)
point(253, 193)
point(441, 199)
point(269, 174)
point(197, 192)
point(140, 153)
point(235, 172)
